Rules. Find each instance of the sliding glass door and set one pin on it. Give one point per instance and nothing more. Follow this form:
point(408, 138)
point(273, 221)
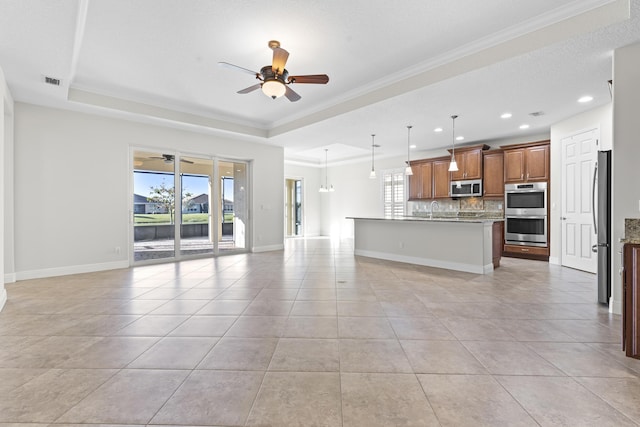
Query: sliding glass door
point(153, 206)
point(233, 218)
point(178, 212)
point(196, 234)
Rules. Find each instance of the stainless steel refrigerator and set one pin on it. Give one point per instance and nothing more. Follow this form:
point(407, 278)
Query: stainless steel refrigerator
point(602, 223)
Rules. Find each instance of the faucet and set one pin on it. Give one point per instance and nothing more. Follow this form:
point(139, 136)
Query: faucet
point(434, 204)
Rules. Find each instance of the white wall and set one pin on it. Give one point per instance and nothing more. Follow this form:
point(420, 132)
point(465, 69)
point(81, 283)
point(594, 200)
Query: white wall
point(6, 215)
point(626, 153)
point(72, 183)
point(598, 118)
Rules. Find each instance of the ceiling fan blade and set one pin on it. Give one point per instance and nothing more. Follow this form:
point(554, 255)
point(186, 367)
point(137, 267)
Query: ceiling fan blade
point(291, 94)
point(250, 88)
point(186, 161)
point(312, 78)
point(280, 57)
point(235, 67)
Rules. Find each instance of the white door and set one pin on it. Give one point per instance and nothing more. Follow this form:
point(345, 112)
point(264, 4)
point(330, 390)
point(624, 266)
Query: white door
point(579, 157)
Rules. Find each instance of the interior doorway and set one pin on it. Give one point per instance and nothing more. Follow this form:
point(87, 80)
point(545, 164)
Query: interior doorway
point(293, 223)
point(579, 157)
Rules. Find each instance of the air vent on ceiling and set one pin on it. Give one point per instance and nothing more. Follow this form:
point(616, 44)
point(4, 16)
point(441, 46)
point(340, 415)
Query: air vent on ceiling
point(537, 113)
point(52, 81)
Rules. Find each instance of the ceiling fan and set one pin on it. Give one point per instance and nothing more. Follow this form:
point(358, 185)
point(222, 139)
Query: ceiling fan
point(169, 158)
point(274, 78)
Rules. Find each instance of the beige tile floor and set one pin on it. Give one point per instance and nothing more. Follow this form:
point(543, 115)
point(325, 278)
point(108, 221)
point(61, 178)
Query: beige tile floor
point(313, 336)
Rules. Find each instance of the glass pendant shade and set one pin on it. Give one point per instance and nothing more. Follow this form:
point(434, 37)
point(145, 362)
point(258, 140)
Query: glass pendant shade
point(372, 175)
point(408, 171)
point(273, 88)
point(453, 165)
point(326, 188)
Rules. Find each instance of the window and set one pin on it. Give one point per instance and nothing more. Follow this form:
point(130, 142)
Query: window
point(393, 192)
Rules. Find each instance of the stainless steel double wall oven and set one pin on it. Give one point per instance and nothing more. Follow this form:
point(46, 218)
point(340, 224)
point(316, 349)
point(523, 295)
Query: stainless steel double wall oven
point(526, 214)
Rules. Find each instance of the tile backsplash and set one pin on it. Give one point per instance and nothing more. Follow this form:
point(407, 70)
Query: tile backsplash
point(453, 206)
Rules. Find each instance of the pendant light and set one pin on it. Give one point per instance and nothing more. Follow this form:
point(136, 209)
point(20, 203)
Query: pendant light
point(325, 188)
point(372, 175)
point(453, 166)
point(408, 171)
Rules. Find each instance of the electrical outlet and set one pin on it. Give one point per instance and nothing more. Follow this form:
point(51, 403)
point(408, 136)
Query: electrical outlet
point(117, 249)
point(401, 245)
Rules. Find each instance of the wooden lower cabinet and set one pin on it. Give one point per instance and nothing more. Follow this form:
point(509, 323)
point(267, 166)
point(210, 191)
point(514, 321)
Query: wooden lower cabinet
point(631, 301)
point(498, 241)
point(531, 252)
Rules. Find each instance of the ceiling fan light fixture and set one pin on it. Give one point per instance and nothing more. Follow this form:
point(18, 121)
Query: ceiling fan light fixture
point(273, 88)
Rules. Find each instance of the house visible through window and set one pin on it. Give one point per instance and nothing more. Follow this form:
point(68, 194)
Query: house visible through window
point(393, 192)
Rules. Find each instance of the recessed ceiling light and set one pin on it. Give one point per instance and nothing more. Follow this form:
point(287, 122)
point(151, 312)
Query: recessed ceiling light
point(459, 138)
point(437, 130)
point(524, 126)
point(506, 116)
point(412, 146)
point(585, 99)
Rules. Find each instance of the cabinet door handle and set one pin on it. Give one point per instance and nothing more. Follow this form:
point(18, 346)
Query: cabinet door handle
point(524, 250)
point(521, 176)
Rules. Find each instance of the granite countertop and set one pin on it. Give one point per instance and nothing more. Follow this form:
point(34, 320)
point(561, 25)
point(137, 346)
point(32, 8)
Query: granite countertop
point(631, 231)
point(434, 219)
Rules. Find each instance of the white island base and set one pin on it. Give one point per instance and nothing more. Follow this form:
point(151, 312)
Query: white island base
point(462, 245)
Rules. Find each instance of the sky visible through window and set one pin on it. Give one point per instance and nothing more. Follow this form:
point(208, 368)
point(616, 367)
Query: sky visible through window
point(194, 184)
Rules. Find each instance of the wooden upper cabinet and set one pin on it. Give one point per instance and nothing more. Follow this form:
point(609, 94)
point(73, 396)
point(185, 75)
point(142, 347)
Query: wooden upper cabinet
point(469, 160)
point(420, 182)
point(537, 163)
point(526, 162)
point(415, 182)
point(514, 165)
point(441, 178)
point(493, 179)
point(427, 191)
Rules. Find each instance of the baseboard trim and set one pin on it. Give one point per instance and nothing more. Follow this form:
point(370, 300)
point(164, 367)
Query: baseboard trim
point(72, 269)
point(10, 278)
point(554, 260)
point(615, 306)
point(3, 297)
point(428, 262)
point(268, 248)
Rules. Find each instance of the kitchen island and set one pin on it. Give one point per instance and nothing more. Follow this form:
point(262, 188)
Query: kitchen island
point(463, 244)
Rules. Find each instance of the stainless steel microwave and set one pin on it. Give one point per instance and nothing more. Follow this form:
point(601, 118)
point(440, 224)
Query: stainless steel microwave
point(466, 188)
